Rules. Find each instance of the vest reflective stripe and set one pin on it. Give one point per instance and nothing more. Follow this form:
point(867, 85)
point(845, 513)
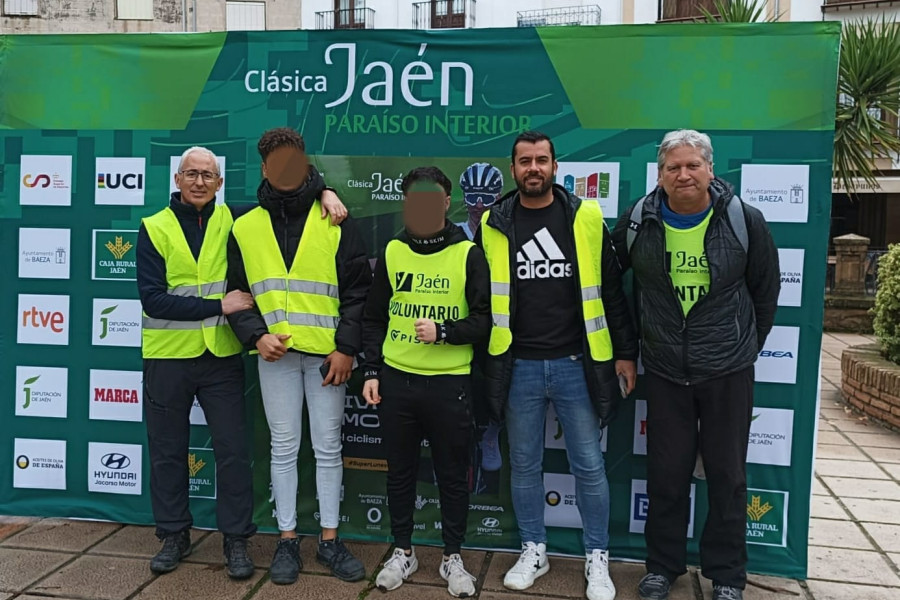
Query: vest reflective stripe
point(432, 286)
point(588, 230)
point(190, 278)
point(303, 301)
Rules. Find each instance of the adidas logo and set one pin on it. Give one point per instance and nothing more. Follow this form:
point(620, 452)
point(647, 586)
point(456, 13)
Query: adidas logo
point(541, 258)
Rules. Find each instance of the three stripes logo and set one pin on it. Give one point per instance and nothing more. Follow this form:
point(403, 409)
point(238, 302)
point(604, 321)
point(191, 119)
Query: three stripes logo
point(403, 281)
point(541, 258)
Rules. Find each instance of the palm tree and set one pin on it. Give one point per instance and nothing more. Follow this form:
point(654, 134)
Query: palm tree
point(868, 90)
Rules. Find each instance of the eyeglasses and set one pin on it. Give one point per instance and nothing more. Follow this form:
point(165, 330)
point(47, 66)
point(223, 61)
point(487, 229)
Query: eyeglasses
point(193, 174)
point(472, 198)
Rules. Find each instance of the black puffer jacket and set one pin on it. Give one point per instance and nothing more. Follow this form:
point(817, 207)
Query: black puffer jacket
point(726, 329)
point(288, 211)
point(603, 383)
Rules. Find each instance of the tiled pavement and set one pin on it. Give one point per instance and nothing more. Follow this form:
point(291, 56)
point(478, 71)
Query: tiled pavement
point(854, 541)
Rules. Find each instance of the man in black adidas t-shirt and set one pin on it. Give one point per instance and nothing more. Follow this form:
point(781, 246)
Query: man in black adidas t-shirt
point(562, 333)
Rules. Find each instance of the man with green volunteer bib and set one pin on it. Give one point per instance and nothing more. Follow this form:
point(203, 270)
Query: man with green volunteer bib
point(429, 303)
point(706, 281)
point(562, 333)
point(309, 279)
point(190, 351)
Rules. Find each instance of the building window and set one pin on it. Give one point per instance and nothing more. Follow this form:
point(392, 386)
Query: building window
point(245, 16)
point(21, 8)
point(134, 10)
point(444, 14)
point(684, 10)
point(569, 15)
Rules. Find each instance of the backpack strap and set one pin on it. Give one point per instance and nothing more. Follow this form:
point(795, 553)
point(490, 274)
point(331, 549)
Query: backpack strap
point(634, 223)
point(738, 220)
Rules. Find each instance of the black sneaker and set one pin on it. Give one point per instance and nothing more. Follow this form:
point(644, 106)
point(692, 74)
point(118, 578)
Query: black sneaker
point(175, 547)
point(726, 592)
point(334, 555)
point(654, 587)
point(286, 563)
point(236, 558)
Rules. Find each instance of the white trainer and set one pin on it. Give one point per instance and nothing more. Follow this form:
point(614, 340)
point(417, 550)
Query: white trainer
point(532, 564)
point(460, 583)
point(396, 570)
point(596, 571)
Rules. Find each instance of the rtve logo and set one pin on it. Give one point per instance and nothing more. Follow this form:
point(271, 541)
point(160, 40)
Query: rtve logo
point(52, 319)
point(43, 319)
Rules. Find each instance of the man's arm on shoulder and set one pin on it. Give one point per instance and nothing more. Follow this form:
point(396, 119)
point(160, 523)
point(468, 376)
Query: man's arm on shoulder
point(763, 274)
point(248, 325)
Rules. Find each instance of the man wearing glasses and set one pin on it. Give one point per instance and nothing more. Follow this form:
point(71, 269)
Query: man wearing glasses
point(189, 351)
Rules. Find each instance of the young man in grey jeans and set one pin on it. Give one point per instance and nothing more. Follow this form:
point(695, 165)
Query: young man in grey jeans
point(309, 279)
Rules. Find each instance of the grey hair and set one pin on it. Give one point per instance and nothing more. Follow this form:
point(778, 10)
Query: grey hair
point(684, 137)
point(199, 150)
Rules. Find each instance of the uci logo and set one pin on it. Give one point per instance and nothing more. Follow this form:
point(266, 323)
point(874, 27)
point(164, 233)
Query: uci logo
point(112, 181)
point(553, 498)
point(115, 461)
point(490, 522)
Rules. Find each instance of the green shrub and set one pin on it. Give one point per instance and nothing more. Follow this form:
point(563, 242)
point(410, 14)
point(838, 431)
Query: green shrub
point(887, 304)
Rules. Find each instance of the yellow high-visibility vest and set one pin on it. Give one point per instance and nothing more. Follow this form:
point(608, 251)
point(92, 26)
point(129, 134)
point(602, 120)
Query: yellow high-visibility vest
point(185, 276)
point(304, 300)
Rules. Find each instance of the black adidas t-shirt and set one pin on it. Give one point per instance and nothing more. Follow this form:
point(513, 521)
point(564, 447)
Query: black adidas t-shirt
point(548, 321)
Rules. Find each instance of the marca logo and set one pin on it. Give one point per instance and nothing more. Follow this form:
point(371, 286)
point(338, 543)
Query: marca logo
point(46, 180)
point(767, 517)
point(640, 505)
point(114, 468)
point(771, 437)
point(554, 437)
point(43, 253)
point(201, 473)
point(779, 191)
point(777, 362)
point(639, 443)
point(41, 392)
point(560, 507)
point(116, 322)
point(120, 181)
point(43, 320)
point(791, 262)
point(116, 395)
point(541, 258)
point(114, 255)
point(39, 464)
point(598, 181)
point(173, 169)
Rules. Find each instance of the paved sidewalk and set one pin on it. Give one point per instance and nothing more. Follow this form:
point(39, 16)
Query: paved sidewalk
point(854, 542)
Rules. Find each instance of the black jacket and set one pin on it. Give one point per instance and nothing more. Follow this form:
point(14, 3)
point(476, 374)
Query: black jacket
point(288, 212)
point(602, 381)
point(473, 329)
point(726, 329)
point(153, 290)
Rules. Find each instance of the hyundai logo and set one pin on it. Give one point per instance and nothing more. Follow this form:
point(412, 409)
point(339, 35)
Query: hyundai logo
point(490, 522)
point(115, 461)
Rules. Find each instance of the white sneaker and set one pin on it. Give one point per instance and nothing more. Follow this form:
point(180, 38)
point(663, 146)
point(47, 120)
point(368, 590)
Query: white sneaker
point(396, 570)
point(596, 571)
point(460, 583)
point(532, 564)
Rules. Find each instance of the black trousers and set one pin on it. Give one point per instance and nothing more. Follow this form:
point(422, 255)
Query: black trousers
point(436, 408)
point(723, 408)
point(169, 389)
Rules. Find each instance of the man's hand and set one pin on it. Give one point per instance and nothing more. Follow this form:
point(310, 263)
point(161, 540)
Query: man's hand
point(370, 392)
point(628, 368)
point(426, 331)
point(236, 301)
point(271, 346)
point(341, 365)
point(332, 205)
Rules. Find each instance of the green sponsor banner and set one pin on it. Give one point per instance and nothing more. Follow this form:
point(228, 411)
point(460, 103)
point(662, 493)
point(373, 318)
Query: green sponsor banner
point(90, 147)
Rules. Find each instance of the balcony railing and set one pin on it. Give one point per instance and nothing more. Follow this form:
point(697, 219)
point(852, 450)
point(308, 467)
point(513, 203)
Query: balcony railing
point(683, 10)
point(569, 15)
point(836, 5)
point(349, 18)
point(443, 14)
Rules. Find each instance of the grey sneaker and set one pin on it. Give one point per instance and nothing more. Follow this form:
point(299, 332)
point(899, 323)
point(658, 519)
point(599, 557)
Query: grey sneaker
point(654, 587)
point(726, 592)
point(460, 583)
point(396, 570)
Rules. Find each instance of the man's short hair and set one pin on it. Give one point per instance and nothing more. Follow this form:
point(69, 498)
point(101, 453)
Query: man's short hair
point(533, 137)
point(279, 137)
point(198, 150)
point(427, 174)
point(684, 137)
